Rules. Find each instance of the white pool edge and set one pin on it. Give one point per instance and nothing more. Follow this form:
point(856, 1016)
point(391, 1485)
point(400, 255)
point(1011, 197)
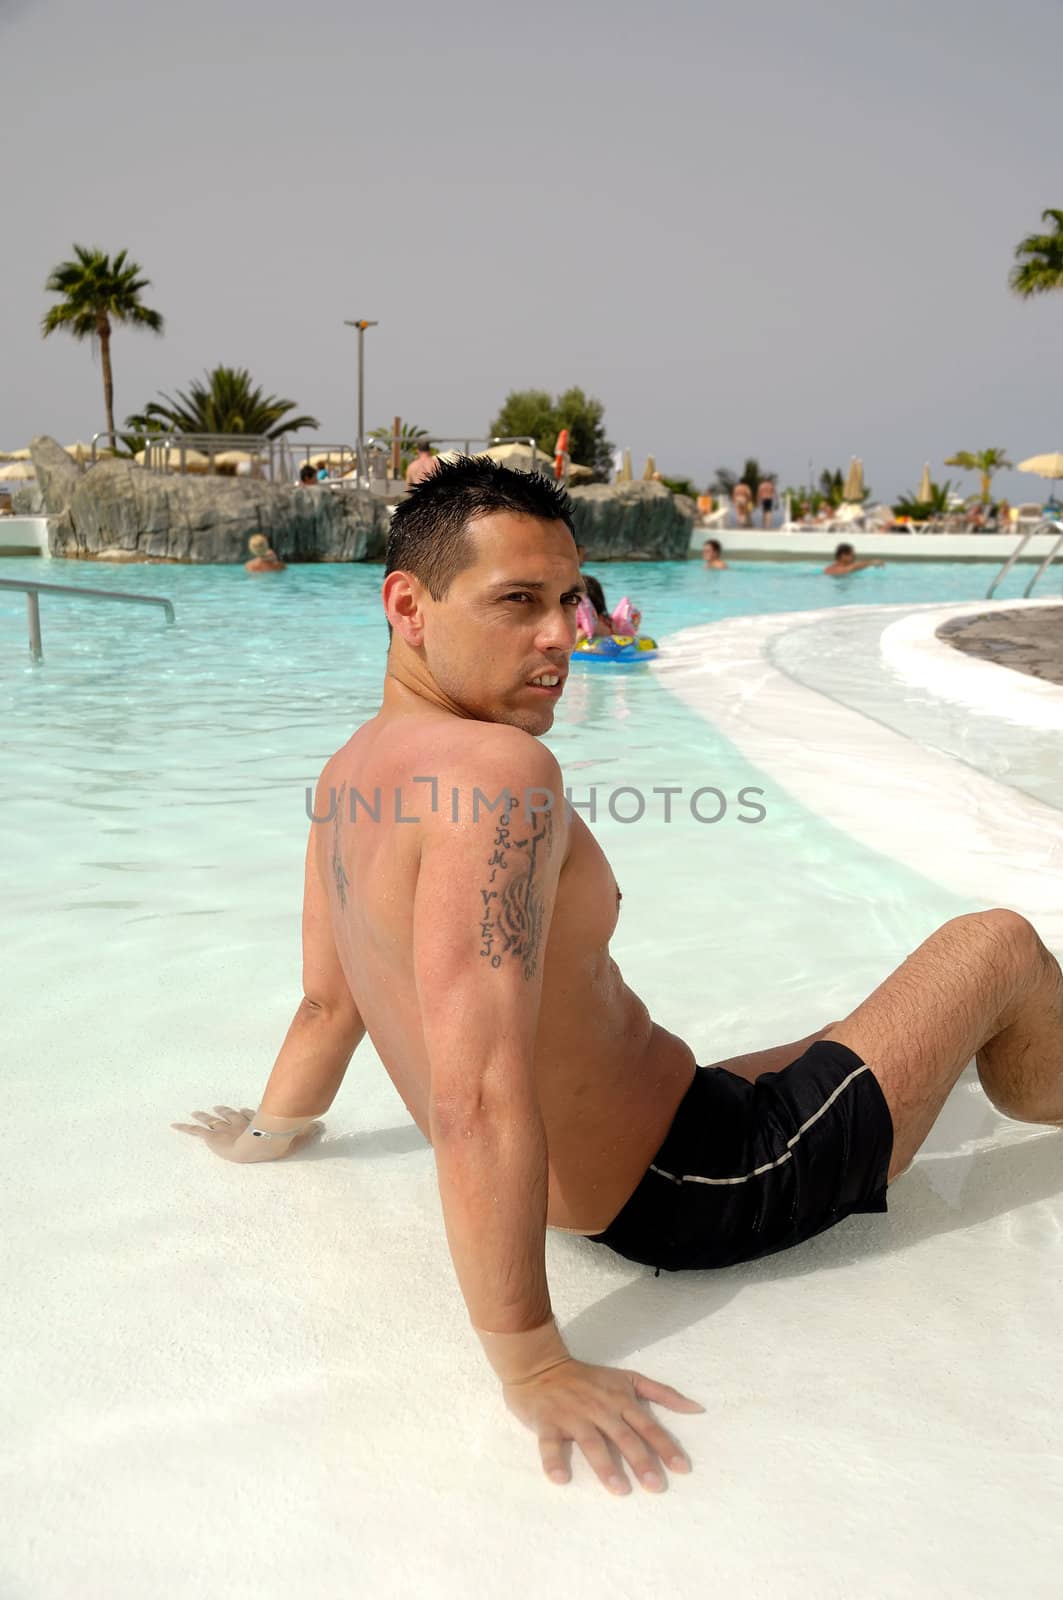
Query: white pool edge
point(975, 837)
point(910, 646)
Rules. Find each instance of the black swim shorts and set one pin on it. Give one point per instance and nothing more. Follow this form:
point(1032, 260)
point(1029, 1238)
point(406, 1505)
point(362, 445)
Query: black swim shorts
point(750, 1168)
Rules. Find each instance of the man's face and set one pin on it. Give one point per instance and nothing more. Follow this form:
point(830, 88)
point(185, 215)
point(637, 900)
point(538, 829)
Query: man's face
point(507, 621)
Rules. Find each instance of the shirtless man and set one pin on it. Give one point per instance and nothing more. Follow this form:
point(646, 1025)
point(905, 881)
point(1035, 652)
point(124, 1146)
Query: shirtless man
point(422, 466)
point(712, 555)
point(766, 501)
point(845, 561)
point(472, 944)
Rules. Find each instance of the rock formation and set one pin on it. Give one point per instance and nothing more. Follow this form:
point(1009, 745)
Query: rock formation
point(633, 522)
point(118, 511)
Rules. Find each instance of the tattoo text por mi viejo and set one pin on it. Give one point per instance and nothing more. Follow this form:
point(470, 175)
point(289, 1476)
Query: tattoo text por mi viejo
point(511, 910)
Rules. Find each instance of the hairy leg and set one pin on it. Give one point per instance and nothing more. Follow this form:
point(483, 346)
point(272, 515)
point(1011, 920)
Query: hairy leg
point(982, 986)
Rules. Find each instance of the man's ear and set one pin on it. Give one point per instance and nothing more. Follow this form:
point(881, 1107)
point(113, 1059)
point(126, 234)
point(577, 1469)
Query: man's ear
point(404, 597)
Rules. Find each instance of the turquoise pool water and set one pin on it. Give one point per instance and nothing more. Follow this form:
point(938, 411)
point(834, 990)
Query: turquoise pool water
point(294, 626)
point(157, 782)
point(259, 680)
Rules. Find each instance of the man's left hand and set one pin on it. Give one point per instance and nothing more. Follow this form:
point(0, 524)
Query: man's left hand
point(219, 1131)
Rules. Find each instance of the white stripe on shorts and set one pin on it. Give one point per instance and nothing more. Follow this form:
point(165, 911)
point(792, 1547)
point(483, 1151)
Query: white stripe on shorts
point(692, 1177)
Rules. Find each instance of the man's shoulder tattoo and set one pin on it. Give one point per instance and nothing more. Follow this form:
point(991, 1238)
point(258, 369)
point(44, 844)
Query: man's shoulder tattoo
point(512, 912)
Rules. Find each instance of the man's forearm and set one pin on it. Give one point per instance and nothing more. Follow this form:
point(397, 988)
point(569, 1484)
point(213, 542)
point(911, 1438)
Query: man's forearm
point(493, 1182)
point(306, 1075)
point(313, 1058)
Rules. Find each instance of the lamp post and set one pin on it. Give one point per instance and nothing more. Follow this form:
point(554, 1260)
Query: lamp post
point(361, 324)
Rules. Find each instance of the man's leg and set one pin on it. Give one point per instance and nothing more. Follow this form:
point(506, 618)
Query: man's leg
point(984, 986)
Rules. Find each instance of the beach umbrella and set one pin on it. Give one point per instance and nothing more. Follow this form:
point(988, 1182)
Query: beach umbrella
point(926, 491)
point(240, 463)
point(174, 459)
point(854, 482)
point(14, 455)
point(516, 455)
point(17, 472)
point(624, 475)
point(649, 470)
point(332, 458)
point(82, 452)
point(1049, 466)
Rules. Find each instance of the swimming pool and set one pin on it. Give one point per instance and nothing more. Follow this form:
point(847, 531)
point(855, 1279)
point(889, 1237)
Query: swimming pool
point(198, 1352)
point(151, 764)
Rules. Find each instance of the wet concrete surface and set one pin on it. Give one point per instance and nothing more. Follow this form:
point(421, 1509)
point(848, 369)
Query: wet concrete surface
point(1026, 641)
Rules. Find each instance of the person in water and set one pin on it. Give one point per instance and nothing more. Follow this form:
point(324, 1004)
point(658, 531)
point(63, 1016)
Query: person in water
point(712, 555)
point(263, 558)
point(595, 596)
point(473, 951)
point(845, 561)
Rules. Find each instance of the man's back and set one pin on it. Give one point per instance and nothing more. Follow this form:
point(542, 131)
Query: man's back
point(608, 1079)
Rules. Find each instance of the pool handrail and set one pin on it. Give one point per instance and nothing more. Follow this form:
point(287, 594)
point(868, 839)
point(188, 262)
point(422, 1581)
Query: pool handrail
point(1046, 525)
point(32, 589)
point(1049, 558)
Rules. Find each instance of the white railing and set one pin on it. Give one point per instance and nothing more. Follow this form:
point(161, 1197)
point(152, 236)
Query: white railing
point(1031, 533)
point(33, 609)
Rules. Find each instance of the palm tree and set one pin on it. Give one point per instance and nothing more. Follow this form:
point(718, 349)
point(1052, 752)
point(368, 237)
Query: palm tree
point(1039, 259)
point(985, 462)
point(226, 402)
point(96, 292)
point(832, 486)
point(909, 505)
point(409, 438)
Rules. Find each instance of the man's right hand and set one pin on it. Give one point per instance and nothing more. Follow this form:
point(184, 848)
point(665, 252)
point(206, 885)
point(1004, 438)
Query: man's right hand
point(599, 1408)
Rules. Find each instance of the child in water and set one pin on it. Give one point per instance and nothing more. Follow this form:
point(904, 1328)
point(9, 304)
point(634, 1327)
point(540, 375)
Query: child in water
point(595, 620)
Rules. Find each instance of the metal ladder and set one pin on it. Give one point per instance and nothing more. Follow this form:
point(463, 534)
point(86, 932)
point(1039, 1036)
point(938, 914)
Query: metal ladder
point(1047, 526)
point(32, 590)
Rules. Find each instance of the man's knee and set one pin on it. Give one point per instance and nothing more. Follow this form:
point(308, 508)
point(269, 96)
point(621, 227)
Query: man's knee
point(1008, 932)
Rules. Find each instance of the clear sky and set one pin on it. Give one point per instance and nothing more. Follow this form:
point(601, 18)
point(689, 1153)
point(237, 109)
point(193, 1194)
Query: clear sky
point(770, 227)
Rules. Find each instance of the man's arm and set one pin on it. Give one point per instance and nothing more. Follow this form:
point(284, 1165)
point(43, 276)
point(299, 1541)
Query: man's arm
point(482, 909)
point(323, 1035)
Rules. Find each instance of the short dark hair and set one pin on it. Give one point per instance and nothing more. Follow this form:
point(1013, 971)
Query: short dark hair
point(306, 472)
point(429, 531)
point(843, 550)
point(714, 544)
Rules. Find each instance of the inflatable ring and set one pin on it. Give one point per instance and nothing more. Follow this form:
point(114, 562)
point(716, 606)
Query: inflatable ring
point(618, 650)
